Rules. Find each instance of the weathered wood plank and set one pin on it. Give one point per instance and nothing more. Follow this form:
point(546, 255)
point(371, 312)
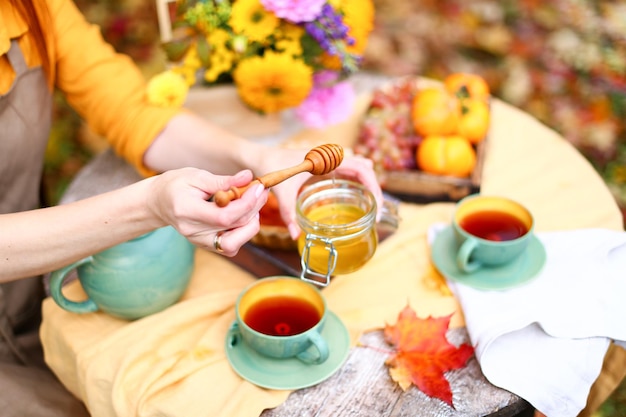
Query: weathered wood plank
point(362, 387)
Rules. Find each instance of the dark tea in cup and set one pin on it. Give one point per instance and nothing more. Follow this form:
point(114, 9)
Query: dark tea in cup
point(282, 316)
point(490, 231)
point(494, 225)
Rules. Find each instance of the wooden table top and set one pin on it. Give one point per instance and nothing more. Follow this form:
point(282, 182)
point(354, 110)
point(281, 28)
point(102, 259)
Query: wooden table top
point(525, 161)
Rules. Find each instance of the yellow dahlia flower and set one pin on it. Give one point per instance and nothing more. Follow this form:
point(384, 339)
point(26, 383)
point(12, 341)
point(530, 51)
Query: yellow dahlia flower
point(167, 89)
point(250, 18)
point(288, 39)
point(273, 82)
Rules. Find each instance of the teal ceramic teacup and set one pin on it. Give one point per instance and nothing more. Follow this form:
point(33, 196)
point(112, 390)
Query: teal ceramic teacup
point(490, 231)
point(282, 317)
point(133, 279)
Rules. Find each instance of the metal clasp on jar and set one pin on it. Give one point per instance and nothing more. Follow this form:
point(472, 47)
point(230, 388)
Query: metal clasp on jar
point(308, 274)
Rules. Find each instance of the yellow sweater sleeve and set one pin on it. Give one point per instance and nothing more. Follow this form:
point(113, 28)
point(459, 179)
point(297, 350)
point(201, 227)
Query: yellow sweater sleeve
point(104, 87)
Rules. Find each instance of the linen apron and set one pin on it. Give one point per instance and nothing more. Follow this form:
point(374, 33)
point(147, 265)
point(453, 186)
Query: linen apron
point(27, 387)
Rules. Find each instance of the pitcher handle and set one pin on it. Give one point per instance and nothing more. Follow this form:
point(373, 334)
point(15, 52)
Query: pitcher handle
point(56, 290)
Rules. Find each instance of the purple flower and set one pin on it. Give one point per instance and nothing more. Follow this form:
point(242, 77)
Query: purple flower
point(328, 28)
point(331, 33)
point(328, 103)
point(295, 11)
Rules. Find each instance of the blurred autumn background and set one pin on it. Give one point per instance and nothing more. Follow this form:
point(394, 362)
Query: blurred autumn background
point(563, 61)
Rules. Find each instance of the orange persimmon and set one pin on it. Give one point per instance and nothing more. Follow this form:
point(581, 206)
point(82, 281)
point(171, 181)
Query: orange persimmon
point(474, 121)
point(434, 111)
point(464, 85)
point(270, 213)
point(446, 155)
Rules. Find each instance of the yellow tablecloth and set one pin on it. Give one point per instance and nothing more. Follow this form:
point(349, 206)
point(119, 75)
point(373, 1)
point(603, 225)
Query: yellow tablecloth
point(173, 362)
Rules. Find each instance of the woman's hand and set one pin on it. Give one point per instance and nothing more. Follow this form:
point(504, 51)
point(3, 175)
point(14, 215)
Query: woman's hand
point(357, 168)
point(180, 198)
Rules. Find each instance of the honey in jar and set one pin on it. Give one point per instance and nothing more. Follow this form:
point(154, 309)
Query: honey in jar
point(337, 218)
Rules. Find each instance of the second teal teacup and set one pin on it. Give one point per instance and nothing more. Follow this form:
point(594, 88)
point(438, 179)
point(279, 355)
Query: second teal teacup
point(282, 317)
point(490, 231)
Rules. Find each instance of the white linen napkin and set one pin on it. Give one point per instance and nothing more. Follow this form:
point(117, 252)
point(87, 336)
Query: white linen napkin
point(545, 340)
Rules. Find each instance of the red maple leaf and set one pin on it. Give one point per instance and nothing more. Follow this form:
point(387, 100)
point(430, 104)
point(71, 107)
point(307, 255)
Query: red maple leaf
point(422, 354)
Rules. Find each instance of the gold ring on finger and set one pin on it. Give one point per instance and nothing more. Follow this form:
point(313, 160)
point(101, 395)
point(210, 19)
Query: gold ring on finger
point(217, 242)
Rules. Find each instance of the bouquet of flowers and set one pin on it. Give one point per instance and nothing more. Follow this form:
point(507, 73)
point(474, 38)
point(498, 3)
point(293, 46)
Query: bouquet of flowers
point(279, 54)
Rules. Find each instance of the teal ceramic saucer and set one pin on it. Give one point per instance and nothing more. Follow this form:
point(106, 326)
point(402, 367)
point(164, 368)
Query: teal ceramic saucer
point(289, 374)
point(518, 272)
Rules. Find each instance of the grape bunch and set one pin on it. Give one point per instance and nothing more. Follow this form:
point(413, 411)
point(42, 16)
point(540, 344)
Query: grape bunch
point(387, 135)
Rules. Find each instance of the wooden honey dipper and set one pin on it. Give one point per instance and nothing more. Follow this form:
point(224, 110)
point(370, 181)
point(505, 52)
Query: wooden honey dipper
point(318, 161)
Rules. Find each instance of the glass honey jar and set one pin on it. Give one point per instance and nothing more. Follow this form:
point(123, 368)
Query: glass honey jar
point(338, 222)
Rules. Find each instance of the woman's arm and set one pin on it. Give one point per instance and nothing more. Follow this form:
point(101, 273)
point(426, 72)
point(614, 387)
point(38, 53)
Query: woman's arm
point(43, 240)
point(189, 140)
point(106, 88)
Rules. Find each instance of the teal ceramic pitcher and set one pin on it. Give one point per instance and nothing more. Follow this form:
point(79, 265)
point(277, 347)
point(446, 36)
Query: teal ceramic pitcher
point(133, 279)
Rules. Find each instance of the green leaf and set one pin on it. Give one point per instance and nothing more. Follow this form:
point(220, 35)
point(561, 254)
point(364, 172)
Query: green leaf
point(204, 52)
point(175, 50)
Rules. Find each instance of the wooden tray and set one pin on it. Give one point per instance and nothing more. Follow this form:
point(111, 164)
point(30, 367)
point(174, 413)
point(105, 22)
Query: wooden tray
point(419, 187)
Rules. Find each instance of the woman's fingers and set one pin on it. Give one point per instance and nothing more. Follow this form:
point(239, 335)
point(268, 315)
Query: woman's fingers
point(361, 169)
point(228, 242)
point(180, 197)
